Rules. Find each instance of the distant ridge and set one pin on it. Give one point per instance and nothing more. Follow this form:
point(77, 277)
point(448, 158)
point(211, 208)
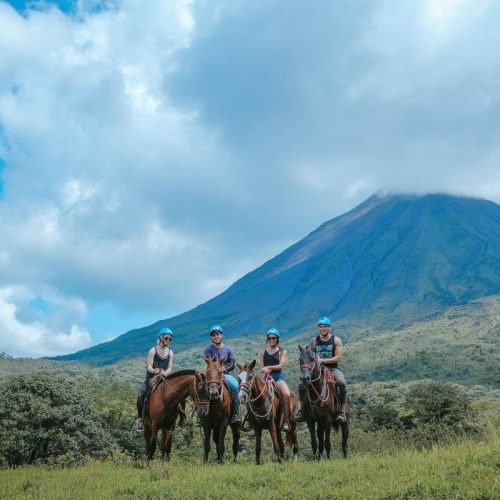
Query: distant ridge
point(391, 259)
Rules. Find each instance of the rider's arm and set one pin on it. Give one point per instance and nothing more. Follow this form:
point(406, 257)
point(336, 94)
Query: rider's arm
point(230, 361)
point(151, 359)
point(338, 353)
point(261, 363)
point(170, 363)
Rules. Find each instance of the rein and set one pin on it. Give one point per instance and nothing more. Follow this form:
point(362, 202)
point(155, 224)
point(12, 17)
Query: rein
point(270, 395)
point(325, 390)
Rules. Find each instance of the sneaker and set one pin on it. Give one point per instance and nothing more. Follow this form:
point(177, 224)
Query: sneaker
point(341, 417)
point(139, 425)
point(236, 418)
point(285, 427)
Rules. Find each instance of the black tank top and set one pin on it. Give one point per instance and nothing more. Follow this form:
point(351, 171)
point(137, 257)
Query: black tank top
point(326, 349)
point(272, 359)
point(159, 362)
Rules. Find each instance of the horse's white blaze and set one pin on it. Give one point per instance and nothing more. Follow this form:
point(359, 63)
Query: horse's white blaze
point(242, 378)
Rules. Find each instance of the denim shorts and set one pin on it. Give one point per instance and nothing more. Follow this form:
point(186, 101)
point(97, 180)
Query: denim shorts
point(278, 376)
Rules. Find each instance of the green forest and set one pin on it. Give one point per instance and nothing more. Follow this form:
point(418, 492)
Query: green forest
point(427, 430)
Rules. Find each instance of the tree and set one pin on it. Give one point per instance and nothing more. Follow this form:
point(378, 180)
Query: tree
point(438, 402)
point(45, 418)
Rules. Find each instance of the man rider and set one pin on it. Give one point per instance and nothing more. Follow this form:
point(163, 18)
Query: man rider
point(218, 350)
point(329, 349)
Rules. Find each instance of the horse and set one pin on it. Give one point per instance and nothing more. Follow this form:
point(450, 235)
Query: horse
point(320, 403)
point(161, 413)
point(218, 416)
point(265, 409)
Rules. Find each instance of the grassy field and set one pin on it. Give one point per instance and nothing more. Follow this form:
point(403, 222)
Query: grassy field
point(464, 470)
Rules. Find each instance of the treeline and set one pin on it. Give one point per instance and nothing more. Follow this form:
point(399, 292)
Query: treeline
point(48, 418)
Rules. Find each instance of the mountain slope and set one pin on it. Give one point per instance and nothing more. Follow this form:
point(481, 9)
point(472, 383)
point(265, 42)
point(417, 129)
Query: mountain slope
point(391, 260)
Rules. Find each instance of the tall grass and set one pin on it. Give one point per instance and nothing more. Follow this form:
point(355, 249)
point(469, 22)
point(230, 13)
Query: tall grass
point(465, 470)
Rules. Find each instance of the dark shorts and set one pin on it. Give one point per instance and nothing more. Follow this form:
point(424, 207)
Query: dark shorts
point(278, 376)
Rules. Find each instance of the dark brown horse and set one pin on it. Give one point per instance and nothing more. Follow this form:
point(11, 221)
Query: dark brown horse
point(219, 411)
point(320, 404)
point(162, 408)
point(265, 410)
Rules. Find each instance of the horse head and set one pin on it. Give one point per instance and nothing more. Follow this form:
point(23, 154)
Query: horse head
point(214, 378)
point(307, 362)
point(245, 379)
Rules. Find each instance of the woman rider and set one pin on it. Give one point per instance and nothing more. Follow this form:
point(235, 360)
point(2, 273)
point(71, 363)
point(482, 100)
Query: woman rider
point(271, 361)
point(160, 361)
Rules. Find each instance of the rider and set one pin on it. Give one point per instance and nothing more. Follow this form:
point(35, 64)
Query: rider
point(160, 361)
point(329, 350)
point(271, 361)
point(218, 350)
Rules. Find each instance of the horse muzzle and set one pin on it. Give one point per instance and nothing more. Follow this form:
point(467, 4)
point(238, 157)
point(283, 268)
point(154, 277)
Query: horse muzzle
point(214, 392)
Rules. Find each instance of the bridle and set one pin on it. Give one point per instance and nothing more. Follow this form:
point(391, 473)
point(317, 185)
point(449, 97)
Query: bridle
point(218, 381)
point(321, 397)
point(246, 387)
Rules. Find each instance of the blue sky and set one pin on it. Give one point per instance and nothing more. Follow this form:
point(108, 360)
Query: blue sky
point(151, 156)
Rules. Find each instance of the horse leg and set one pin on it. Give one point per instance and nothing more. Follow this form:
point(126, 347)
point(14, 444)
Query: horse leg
point(258, 442)
point(314, 442)
point(153, 433)
point(220, 442)
point(321, 439)
point(345, 436)
point(273, 430)
point(235, 428)
point(281, 444)
point(292, 438)
point(206, 445)
point(328, 430)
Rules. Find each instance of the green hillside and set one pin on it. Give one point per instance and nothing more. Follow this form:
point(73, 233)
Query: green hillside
point(389, 261)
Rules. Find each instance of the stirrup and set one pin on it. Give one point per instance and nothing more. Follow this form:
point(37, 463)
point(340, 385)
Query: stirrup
point(139, 425)
point(236, 418)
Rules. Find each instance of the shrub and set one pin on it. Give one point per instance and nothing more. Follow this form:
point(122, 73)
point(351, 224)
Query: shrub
point(45, 418)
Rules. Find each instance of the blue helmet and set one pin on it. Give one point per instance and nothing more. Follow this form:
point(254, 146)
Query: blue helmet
point(216, 328)
point(165, 331)
point(324, 320)
point(273, 331)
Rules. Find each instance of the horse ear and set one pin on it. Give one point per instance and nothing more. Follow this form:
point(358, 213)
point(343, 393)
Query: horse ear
point(207, 359)
point(301, 349)
point(252, 364)
point(240, 366)
point(222, 360)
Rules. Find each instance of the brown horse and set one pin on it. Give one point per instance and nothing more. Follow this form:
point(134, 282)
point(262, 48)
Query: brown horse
point(320, 404)
point(162, 409)
point(219, 411)
point(265, 410)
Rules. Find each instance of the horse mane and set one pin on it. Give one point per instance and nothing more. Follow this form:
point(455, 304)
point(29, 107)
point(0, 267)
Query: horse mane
point(180, 373)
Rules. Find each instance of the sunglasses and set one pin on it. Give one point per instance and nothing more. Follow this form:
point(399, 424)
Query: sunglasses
point(272, 338)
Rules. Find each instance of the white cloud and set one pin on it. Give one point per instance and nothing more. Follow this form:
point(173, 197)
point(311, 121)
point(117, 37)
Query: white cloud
point(27, 330)
point(156, 153)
